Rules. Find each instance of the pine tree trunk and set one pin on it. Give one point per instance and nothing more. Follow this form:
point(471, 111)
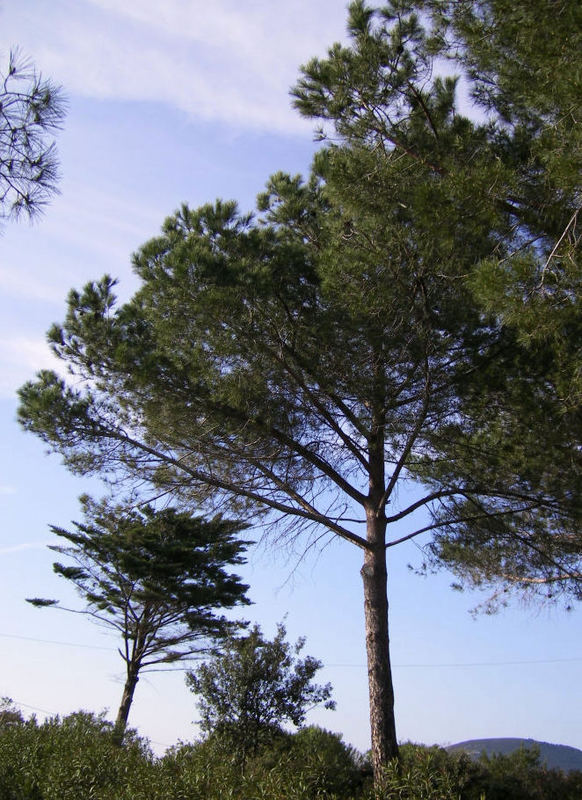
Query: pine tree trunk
point(380, 687)
point(375, 577)
point(126, 700)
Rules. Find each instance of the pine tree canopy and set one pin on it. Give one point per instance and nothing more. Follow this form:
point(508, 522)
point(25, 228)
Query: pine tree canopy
point(157, 577)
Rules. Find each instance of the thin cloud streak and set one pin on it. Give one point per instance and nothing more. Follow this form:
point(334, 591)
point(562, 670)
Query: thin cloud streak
point(230, 66)
point(18, 548)
point(15, 284)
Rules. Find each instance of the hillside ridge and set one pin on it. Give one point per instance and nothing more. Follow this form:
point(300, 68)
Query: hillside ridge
point(553, 756)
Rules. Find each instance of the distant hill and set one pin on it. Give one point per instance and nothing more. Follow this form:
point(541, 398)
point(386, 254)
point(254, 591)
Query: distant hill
point(558, 756)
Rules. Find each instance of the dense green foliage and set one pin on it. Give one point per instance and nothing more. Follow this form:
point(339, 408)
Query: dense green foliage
point(70, 758)
point(158, 578)
point(252, 687)
point(312, 763)
point(515, 177)
point(31, 109)
point(433, 774)
point(521, 61)
point(74, 757)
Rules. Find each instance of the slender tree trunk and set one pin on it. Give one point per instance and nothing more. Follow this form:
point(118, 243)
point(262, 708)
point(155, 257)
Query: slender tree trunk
point(375, 577)
point(380, 687)
point(126, 700)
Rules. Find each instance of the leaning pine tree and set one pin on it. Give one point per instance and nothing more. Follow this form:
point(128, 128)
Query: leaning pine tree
point(310, 360)
point(157, 578)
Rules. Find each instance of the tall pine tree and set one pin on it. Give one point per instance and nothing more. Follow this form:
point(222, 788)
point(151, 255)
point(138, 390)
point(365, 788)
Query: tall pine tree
point(310, 360)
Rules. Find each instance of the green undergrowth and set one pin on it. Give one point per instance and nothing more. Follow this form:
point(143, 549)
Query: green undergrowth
point(75, 757)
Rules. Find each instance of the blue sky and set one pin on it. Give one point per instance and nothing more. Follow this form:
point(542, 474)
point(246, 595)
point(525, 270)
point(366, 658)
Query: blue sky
point(188, 101)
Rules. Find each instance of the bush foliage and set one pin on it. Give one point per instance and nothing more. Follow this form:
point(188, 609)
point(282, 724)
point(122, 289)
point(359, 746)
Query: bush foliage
point(253, 686)
point(75, 757)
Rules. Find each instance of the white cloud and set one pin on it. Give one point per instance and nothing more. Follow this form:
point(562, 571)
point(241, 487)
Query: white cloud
point(41, 264)
point(7, 490)
point(227, 61)
point(18, 548)
point(122, 227)
point(15, 284)
point(270, 38)
point(20, 358)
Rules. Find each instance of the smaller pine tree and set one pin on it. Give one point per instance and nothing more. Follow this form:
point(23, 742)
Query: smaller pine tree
point(158, 578)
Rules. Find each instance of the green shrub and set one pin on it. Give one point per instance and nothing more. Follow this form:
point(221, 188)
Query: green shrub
point(67, 759)
point(423, 773)
point(520, 776)
point(310, 764)
point(431, 773)
point(75, 758)
point(319, 760)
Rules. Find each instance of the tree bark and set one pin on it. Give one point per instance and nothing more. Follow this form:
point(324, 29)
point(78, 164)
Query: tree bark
point(126, 701)
point(380, 687)
point(375, 578)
